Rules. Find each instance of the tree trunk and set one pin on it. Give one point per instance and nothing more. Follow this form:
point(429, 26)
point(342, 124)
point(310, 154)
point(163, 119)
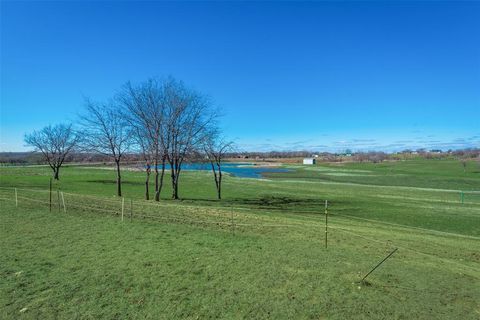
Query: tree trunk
point(214, 174)
point(172, 174)
point(157, 191)
point(219, 185)
point(147, 191)
point(119, 179)
point(175, 173)
point(56, 173)
point(160, 186)
point(218, 180)
point(175, 190)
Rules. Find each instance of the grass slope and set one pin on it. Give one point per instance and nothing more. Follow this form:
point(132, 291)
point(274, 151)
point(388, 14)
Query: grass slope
point(274, 265)
point(433, 173)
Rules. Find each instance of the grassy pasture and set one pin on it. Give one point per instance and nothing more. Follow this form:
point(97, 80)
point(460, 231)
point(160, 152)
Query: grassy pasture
point(433, 173)
point(185, 259)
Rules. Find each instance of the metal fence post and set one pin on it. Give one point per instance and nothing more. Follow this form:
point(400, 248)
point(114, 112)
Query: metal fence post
point(326, 223)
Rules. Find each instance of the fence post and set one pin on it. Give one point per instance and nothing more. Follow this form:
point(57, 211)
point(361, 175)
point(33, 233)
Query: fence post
point(326, 223)
point(16, 198)
point(233, 223)
point(58, 200)
point(131, 209)
point(63, 201)
point(123, 206)
point(50, 194)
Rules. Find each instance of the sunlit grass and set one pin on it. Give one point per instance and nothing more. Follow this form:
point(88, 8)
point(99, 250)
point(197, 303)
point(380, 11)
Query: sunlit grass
point(259, 253)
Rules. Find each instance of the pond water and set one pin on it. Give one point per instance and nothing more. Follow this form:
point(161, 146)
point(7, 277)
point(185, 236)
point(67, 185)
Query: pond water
point(237, 169)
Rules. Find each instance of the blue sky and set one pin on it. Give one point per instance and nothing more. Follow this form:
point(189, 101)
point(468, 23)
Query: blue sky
point(288, 75)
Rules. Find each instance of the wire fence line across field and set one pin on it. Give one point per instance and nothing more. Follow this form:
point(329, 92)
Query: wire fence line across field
point(180, 211)
point(105, 204)
point(203, 216)
point(458, 264)
point(444, 233)
point(101, 203)
point(171, 215)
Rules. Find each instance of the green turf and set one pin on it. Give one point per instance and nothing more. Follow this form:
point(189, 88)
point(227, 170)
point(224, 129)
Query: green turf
point(259, 253)
point(433, 173)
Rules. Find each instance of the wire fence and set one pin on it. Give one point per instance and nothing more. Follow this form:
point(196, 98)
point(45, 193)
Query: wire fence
point(138, 209)
point(225, 218)
point(469, 197)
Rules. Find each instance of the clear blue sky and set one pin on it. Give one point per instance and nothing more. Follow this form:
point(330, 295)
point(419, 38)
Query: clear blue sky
point(288, 75)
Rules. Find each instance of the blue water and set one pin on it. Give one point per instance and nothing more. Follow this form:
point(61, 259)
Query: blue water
point(242, 170)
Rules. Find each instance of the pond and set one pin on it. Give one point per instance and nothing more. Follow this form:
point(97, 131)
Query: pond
point(237, 169)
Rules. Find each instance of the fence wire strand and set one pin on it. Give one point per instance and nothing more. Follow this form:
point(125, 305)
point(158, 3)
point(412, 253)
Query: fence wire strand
point(181, 214)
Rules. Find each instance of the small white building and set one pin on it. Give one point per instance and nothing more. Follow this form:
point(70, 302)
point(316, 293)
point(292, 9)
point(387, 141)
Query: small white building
point(309, 161)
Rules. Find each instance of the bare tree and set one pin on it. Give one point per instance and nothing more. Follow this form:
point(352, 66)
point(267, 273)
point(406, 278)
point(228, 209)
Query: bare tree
point(187, 115)
point(215, 148)
point(144, 105)
point(107, 132)
point(146, 152)
point(55, 143)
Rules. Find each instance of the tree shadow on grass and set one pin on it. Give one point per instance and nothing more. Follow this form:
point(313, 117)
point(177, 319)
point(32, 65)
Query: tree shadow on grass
point(297, 205)
point(294, 205)
point(278, 202)
point(268, 203)
point(108, 181)
point(272, 202)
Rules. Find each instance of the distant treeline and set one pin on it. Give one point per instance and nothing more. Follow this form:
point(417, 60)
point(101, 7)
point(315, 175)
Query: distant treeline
point(29, 158)
point(36, 158)
point(369, 156)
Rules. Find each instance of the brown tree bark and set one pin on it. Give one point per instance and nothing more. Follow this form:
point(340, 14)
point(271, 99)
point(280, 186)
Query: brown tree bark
point(219, 185)
point(160, 186)
point(56, 173)
point(147, 191)
point(147, 183)
point(157, 192)
point(175, 172)
point(119, 179)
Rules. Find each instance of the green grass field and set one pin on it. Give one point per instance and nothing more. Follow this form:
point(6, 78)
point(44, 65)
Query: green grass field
point(259, 253)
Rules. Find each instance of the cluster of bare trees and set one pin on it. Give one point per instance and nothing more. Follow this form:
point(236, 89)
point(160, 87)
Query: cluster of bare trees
point(164, 121)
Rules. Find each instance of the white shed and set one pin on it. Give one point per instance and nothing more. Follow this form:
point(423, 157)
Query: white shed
point(309, 161)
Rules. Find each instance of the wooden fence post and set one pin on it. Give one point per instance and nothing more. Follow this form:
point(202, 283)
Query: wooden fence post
point(123, 206)
point(63, 201)
point(233, 223)
point(16, 198)
point(58, 200)
point(50, 194)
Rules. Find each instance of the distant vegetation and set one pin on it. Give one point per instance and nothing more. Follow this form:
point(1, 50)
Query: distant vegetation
point(20, 158)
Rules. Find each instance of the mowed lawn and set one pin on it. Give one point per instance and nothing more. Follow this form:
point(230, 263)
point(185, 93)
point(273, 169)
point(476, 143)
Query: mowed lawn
point(259, 253)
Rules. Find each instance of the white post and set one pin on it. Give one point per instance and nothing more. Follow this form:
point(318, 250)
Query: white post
point(123, 205)
point(16, 198)
point(63, 201)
